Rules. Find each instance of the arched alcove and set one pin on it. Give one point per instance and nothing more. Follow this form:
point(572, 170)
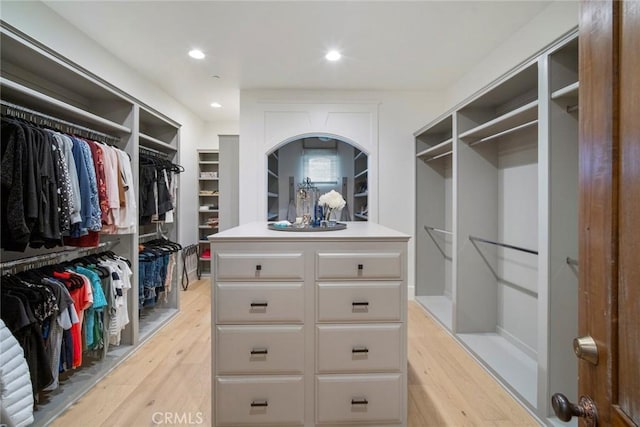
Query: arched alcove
point(329, 161)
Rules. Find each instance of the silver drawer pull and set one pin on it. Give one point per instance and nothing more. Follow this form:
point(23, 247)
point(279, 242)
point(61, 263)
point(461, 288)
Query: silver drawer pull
point(360, 303)
point(360, 350)
point(259, 304)
point(259, 403)
point(361, 401)
point(259, 351)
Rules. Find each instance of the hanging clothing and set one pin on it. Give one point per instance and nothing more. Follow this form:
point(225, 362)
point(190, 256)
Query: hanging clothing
point(15, 394)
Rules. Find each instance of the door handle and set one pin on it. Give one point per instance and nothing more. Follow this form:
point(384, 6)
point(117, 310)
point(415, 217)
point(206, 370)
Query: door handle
point(565, 410)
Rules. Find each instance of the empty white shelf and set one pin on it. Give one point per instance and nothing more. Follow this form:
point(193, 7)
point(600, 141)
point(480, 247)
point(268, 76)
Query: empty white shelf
point(510, 120)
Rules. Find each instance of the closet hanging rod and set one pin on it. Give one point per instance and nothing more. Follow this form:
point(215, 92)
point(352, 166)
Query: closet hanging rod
point(504, 245)
point(504, 132)
point(572, 261)
point(439, 230)
point(70, 126)
point(149, 236)
point(54, 255)
point(439, 156)
point(572, 108)
point(152, 152)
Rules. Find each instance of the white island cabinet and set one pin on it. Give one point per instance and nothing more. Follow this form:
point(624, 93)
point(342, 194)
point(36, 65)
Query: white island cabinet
point(309, 328)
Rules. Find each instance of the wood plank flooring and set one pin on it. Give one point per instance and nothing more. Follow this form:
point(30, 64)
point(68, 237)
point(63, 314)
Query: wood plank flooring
point(168, 380)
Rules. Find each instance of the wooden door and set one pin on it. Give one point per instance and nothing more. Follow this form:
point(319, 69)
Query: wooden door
point(609, 292)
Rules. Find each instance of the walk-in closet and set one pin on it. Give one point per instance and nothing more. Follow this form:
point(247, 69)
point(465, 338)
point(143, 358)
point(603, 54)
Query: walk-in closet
point(128, 141)
point(496, 225)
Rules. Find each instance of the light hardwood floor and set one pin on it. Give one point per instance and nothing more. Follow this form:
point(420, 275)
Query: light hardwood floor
point(168, 381)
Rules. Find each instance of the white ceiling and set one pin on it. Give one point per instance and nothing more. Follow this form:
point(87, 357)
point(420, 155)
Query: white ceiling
point(386, 45)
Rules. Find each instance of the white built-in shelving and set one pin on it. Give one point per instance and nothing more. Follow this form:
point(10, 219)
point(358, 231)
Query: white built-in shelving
point(208, 204)
point(496, 219)
point(36, 78)
point(360, 185)
point(273, 191)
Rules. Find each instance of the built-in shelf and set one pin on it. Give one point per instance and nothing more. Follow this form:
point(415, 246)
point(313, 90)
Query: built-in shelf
point(272, 194)
point(440, 307)
point(152, 142)
point(516, 370)
point(438, 149)
point(43, 103)
point(206, 162)
point(364, 172)
point(203, 241)
point(208, 179)
point(570, 91)
point(357, 215)
point(271, 216)
point(510, 120)
point(207, 210)
point(202, 227)
point(360, 154)
point(363, 194)
point(275, 175)
point(204, 259)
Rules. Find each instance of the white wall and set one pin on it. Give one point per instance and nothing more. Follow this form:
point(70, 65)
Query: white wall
point(210, 140)
point(555, 20)
point(380, 122)
point(43, 24)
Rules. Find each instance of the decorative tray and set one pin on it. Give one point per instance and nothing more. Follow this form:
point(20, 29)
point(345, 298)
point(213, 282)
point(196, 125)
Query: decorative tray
point(337, 226)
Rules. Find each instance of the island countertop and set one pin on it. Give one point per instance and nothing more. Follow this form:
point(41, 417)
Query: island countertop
point(356, 230)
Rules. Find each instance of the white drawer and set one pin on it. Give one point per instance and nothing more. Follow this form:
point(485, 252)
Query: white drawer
point(259, 349)
point(359, 301)
point(275, 400)
point(359, 265)
point(258, 302)
point(359, 398)
point(358, 348)
point(259, 266)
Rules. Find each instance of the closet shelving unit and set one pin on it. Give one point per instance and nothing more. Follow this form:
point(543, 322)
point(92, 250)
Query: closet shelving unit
point(159, 135)
point(434, 242)
point(35, 77)
point(360, 185)
point(497, 175)
point(273, 193)
point(209, 203)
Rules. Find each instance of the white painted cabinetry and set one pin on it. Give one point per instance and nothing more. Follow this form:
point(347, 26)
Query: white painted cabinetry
point(497, 225)
point(309, 328)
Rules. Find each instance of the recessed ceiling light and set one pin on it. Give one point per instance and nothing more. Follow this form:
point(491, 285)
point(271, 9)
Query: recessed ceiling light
point(333, 55)
point(196, 54)
point(216, 105)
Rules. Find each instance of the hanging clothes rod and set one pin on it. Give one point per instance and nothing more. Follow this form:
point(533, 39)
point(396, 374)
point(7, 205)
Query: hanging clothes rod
point(15, 110)
point(503, 133)
point(152, 152)
point(36, 259)
point(504, 245)
point(439, 156)
point(572, 108)
point(572, 261)
point(439, 230)
point(148, 236)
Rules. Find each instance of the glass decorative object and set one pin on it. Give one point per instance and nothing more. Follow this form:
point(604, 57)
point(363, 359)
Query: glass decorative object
point(306, 197)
